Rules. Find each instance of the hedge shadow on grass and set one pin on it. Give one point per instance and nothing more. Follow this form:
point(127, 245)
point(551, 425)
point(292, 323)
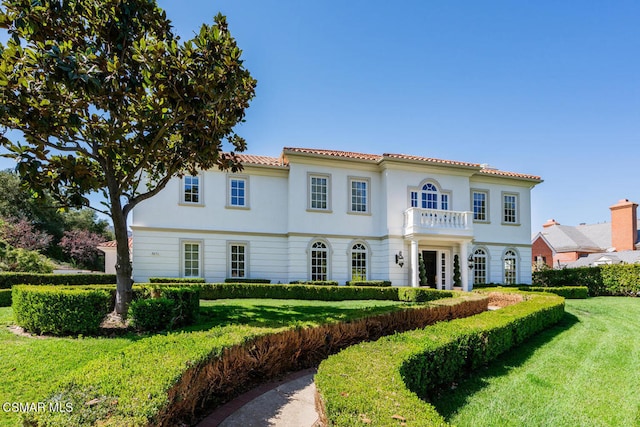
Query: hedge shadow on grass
point(448, 401)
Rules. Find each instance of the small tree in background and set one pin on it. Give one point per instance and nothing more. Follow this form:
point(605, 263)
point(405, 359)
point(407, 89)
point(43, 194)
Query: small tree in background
point(81, 247)
point(422, 270)
point(456, 271)
point(108, 100)
point(20, 233)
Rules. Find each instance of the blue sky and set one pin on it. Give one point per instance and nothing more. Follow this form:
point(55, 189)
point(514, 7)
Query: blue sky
point(546, 88)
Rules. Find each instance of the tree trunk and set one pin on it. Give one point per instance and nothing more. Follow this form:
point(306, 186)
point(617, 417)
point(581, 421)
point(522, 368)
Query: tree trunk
point(123, 266)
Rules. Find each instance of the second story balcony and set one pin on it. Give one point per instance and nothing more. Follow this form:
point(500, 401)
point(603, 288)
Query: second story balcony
point(438, 222)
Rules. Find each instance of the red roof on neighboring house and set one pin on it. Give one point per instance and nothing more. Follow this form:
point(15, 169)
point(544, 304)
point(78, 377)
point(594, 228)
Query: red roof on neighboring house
point(113, 243)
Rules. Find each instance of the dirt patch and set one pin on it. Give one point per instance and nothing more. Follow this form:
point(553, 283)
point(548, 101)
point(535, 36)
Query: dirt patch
point(19, 331)
point(499, 300)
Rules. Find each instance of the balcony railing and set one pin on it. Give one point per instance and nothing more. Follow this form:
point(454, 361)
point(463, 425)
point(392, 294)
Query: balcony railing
point(435, 221)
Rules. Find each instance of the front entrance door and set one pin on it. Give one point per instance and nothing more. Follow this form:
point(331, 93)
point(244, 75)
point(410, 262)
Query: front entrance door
point(430, 259)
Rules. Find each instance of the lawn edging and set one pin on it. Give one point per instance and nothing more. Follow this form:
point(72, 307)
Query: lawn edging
point(402, 367)
point(214, 365)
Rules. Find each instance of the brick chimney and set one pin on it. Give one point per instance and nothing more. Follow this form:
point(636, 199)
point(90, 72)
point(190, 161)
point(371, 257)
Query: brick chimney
point(550, 223)
point(624, 225)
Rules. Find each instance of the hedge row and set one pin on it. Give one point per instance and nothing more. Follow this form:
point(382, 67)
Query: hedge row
point(164, 308)
point(315, 282)
point(176, 280)
point(401, 367)
point(568, 292)
point(611, 280)
point(212, 291)
point(241, 280)
point(7, 280)
point(60, 310)
point(5, 297)
point(378, 283)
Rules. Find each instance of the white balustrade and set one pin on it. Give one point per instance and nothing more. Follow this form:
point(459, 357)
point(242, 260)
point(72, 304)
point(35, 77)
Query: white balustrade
point(427, 221)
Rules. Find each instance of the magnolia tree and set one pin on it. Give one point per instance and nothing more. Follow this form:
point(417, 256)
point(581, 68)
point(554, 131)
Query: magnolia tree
point(106, 98)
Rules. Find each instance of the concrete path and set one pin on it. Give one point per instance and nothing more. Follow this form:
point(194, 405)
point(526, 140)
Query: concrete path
point(286, 403)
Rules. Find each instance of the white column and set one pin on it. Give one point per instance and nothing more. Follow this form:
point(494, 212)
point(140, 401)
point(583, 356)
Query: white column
point(414, 264)
point(464, 267)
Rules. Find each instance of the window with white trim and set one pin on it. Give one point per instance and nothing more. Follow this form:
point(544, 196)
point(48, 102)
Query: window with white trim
point(510, 208)
point(480, 205)
point(510, 267)
point(238, 192)
point(429, 196)
point(359, 262)
point(191, 189)
point(319, 261)
point(191, 256)
point(479, 267)
point(319, 192)
point(237, 260)
point(359, 192)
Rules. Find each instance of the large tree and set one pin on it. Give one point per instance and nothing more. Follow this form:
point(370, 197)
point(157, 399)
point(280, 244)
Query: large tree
point(108, 99)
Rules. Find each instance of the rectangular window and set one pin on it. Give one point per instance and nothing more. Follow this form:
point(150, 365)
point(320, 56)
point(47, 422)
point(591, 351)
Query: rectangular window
point(191, 257)
point(359, 195)
point(510, 208)
point(414, 199)
point(237, 192)
point(237, 260)
point(319, 192)
point(444, 202)
point(191, 189)
point(479, 206)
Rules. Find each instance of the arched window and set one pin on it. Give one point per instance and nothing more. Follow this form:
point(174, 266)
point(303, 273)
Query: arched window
point(429, 196)
point(510, 267)
point(319, 261)
point(479, 267)
point(359, 262)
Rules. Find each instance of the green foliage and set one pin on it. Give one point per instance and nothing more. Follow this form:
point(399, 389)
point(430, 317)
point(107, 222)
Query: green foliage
point(60, 310)
point(614, 280)
point(404, 366)
point(315, 282)
point(568, 292)
point(378, 283)
point(152, 314)
point(241, 280)
point(176, 280)
point(422, 270)
point(186, 303)
point(421, 294)
point(5, 297)
point(22, 260)
point(456, 271)
point(7, 280)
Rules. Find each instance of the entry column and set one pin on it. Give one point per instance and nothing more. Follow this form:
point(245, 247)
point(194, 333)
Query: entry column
point(414, 264)
point(464, 267)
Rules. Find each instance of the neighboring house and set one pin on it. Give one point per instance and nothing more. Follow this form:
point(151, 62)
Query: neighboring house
point(315, 214)
point(559, 246)
point(110, 256)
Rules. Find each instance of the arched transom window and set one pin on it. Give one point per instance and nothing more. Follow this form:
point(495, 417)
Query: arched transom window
point(319, 261)
point(429, 196)
point(510, 267)
point(479, 267)
point(359, 262)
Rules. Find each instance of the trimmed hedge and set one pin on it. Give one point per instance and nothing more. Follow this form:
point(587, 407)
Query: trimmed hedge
point(315, 282)
point(60, 310)
point(241, 280)
point(151, 314)
point(568, 292)
point(604, 280)
point(5, 297)
point(7, 280)
point(184, 308)
point(211, 291)
point(378, 283)
point(401, 367)
point(176, 280)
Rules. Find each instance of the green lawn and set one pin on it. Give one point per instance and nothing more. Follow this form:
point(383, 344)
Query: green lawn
point(34, 369)
point(583, 372)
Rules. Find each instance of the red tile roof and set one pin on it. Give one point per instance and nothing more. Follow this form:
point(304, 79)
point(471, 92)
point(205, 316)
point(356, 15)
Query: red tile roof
point(334, 153)
point(510, 174)
point(260, 160)
point(430, 160)
point(113, 243)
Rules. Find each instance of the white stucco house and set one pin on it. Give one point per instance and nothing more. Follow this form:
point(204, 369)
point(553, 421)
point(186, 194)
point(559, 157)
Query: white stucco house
point(314, 214)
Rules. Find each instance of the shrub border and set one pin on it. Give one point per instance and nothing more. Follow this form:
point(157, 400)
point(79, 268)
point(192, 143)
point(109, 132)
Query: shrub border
point(413, 363)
